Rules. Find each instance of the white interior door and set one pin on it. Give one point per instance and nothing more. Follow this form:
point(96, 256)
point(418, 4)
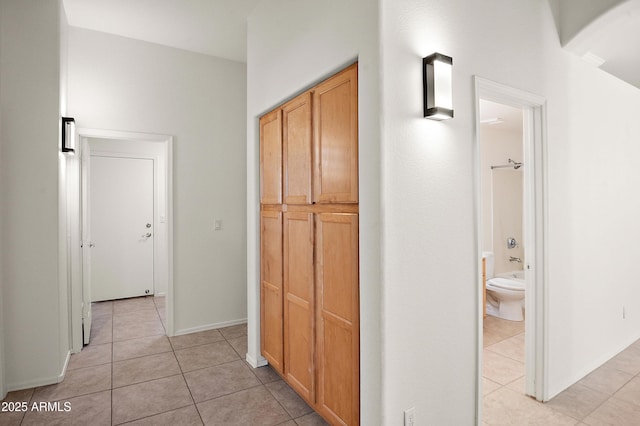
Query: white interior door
point(121, 227)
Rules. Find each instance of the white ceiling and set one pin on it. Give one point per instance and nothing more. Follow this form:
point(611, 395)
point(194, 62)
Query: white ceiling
point(212, 27)
point(619, 45)
point(500, 117)
point(218, 28)
point(604, 33)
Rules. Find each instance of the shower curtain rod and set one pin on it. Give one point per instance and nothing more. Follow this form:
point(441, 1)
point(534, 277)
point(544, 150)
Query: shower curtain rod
point(514, 164)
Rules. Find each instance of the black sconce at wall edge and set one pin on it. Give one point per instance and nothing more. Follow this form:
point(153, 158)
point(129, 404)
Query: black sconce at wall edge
point(68, 135)
point(437, 79)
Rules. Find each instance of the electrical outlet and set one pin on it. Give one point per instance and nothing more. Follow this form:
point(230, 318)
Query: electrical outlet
point(410, 417)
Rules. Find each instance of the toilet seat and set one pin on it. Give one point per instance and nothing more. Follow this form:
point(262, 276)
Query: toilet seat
point(506, 284)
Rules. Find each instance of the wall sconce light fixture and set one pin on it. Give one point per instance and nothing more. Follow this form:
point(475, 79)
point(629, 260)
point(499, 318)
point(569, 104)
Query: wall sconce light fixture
point(436, 78)
point(68, 134)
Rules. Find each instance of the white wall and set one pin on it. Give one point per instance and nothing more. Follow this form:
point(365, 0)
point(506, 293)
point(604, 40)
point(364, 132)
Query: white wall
point(3, 390)
point(291, 46)
point(34, 307)
point(121, 84)
point(430, 261)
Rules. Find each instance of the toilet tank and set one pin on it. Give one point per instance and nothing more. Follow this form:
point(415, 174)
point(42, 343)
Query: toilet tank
point(489, 262)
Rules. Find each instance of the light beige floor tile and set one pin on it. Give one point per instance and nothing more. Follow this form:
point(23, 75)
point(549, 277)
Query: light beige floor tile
point(133, 304)
point(187, 416)
point(101, 308)
point(127, 318)
point(160, 301)
point(101, 330)
point(91, 355)
point(505, 407)
point(13, 418)
point(266, 374)
point(249, 407)
point(92, 409)
point(234, 331)
point(19, 396)
point(489, 386)
point(635, 345)
point(513, 347)
point(295, 406)
point(605, 379)
point(289, 423)
point(219, 380)
point(76, 383)
point(138, 329)
point(134, 348)
point(137, 370)
point(505, 327)
point(501, 369)
point(312, 419)
point(149, 398)
point(162, 313)
point(196, 339)
point(630, 392)
point(205, 356)
point(519, 385)
point(627, 361)
point(239, 345)
point(614, 412)
point(577, 401)
point(491, 337)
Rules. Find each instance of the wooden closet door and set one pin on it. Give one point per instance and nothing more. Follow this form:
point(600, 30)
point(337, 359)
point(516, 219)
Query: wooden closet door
point(271, 158)
point(335, 106)
point(271, 288)
point(296, 149)
point(299, 302)
point(337, 321)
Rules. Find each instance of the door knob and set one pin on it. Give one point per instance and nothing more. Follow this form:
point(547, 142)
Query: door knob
point(148, 225)
point(147, 235)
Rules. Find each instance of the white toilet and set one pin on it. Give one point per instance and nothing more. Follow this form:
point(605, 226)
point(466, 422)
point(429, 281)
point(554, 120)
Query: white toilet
point(505, 292)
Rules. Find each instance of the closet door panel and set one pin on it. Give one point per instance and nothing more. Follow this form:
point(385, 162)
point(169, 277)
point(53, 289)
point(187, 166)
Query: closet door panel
point(337, 321)
point(335, 105)
point(271, 291)
point(271, 158)
point(296, 147)
point(299, 302)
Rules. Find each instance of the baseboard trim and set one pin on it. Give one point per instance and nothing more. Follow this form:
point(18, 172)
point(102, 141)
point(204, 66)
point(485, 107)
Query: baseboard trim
point(210, 326)
point(43, 381)
point(63, 373)
point(255, 363)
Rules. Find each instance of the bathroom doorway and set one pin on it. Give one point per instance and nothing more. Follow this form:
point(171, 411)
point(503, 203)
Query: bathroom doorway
point(153, 148)
point(510, 236)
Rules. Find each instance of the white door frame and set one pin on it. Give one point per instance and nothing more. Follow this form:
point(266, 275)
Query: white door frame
point(84, 135)
point(535, 231)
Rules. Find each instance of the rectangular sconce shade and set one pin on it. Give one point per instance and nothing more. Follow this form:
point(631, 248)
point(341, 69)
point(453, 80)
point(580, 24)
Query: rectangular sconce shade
point(68, 134)
point(436, 77)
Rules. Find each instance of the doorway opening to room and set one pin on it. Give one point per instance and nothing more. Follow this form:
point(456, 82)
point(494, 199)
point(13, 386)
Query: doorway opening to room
point(126, 192)
point(510, 236)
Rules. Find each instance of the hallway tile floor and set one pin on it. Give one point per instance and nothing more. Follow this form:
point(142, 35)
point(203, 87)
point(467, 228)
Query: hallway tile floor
point(132, 373)
point(608, 396)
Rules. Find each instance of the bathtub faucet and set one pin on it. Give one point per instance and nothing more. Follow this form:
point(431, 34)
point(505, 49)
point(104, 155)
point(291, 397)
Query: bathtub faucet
point(515, 259)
